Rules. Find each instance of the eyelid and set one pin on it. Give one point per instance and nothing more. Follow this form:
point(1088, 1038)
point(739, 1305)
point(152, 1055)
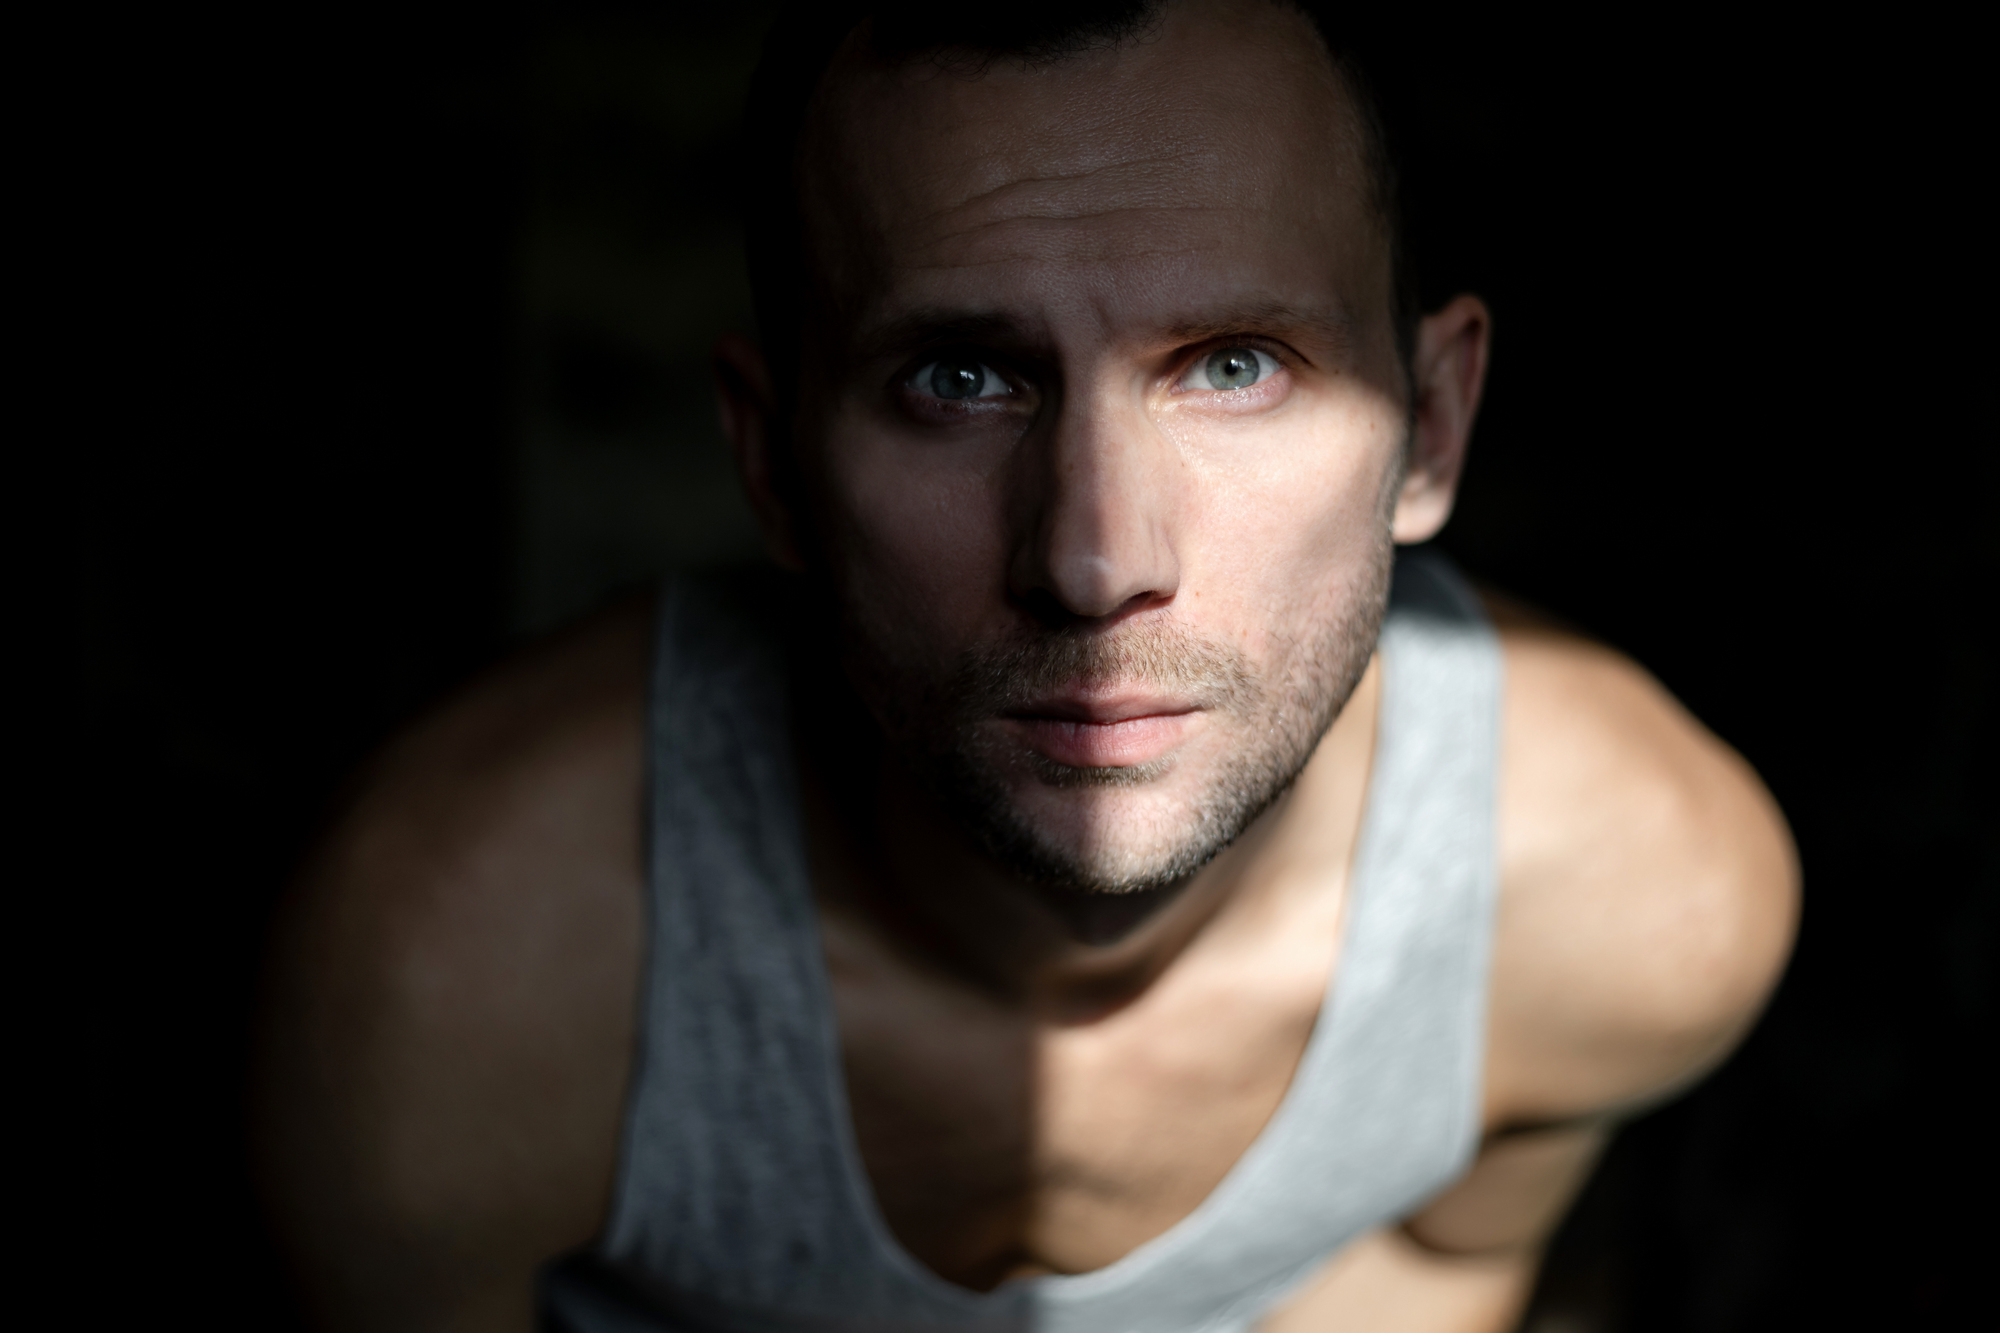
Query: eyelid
point(929, 356)
point(1278, 351)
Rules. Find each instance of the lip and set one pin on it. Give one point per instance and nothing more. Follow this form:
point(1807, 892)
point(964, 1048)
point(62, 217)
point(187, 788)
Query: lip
point(1113, 732)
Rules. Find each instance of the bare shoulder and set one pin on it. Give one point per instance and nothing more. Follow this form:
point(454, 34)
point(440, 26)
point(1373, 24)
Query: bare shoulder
point(1649, 885)
point(450, 1016)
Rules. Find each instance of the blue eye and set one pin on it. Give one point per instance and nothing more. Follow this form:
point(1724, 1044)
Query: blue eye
point(956, 379)
point(1229, 368)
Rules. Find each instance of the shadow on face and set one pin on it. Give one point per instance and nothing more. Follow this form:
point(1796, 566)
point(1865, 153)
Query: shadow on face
point(1102, 346)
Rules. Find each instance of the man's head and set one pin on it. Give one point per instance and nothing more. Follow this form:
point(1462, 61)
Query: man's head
point(1097, 423)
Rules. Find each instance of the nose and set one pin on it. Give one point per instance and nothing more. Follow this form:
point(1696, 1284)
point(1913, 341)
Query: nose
point(1098, 514)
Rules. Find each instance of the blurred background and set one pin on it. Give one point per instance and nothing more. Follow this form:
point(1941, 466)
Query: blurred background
point(385, 343)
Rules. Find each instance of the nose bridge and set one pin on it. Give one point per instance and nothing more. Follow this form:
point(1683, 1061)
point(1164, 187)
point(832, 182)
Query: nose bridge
point(1099, 535)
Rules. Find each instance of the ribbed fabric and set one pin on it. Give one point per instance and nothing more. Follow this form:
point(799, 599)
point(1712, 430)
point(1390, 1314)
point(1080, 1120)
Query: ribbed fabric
point(741, 1202)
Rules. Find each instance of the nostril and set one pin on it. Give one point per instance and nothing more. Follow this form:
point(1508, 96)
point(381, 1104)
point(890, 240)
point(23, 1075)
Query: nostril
point(1048, 609)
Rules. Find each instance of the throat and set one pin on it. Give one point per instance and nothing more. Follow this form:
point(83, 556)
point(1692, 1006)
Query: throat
point(1100, 920)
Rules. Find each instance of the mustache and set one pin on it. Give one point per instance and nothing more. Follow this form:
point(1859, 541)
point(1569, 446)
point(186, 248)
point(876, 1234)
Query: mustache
point(1162, 655)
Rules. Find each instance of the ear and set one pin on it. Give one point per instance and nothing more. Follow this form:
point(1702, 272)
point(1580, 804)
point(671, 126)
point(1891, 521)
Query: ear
point(748, 407)
point(1449, 374)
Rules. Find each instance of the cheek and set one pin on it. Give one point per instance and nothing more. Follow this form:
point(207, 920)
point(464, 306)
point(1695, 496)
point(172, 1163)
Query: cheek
point(914, 533)
point(1294, 520)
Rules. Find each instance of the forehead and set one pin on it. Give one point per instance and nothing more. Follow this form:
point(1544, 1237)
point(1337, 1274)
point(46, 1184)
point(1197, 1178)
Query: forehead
point(1218, 154)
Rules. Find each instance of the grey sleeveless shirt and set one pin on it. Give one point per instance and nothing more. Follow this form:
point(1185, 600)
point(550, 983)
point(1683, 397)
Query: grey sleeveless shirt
point(741, 1202)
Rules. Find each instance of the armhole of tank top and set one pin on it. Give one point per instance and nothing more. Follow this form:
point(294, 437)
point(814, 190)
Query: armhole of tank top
point(1487, 676)
point(1493, 679)
point(666, 609)
point(1444, 626)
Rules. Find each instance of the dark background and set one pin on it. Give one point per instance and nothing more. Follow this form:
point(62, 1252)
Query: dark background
point(387, 332)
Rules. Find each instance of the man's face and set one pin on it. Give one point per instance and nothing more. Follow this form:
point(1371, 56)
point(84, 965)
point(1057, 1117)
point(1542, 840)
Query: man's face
point(1100, 430)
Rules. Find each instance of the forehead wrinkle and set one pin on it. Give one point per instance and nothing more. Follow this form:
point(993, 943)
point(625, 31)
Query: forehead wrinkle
point(1097, 163)
point(1165, 175)
point(1062, 226)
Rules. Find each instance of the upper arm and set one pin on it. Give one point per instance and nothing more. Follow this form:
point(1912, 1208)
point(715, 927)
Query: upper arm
point(450, 1017)
point(1648, 900)
point(1649, 889)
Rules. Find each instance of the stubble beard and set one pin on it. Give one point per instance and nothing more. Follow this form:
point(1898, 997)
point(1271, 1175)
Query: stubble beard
point(1273, 717)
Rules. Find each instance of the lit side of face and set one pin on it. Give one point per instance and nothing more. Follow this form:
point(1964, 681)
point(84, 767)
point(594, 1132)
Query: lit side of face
point(1101, 430)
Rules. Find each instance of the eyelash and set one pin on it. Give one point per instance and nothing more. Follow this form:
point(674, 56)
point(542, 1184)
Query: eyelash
point(906, 384)
point(1281, 358)
point(911, 380)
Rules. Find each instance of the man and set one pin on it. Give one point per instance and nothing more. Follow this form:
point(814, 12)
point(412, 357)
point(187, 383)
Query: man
point(1104, 887)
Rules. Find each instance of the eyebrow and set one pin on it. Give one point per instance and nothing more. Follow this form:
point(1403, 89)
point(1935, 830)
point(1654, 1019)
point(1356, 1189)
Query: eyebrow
point(1332, 328)
point(932, 326)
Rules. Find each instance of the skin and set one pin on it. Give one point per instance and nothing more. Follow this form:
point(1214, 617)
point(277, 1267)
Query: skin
point(453, 992)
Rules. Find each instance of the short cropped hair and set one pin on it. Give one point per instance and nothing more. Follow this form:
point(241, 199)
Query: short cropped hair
point(805, 38)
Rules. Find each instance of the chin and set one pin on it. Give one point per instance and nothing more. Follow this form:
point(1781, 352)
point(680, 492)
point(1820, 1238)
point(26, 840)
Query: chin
point(1111, 835)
